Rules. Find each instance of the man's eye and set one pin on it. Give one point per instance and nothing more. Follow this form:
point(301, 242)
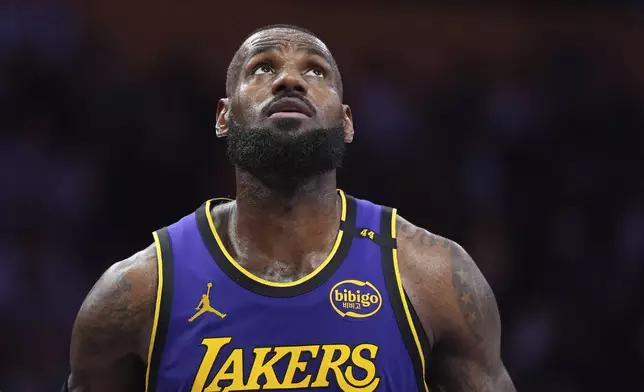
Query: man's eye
point(318, 72)
point(263, 69)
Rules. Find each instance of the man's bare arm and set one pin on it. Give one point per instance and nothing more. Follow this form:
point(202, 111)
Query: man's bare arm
point(457, 309)
point(112, 330)
point(469, 353)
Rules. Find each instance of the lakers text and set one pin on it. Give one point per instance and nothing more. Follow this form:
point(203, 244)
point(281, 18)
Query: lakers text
point(354, 368)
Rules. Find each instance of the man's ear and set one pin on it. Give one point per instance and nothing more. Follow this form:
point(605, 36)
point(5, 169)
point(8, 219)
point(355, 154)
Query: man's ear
point(223, 115)
point(348, 124)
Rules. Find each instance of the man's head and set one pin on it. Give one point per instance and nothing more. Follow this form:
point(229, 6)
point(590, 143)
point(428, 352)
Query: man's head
point(283, 114)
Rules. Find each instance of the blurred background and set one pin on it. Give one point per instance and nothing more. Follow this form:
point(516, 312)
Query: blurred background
point(517, 132)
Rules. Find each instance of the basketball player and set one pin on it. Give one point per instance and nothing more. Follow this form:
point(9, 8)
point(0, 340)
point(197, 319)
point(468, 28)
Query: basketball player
point(295, 284)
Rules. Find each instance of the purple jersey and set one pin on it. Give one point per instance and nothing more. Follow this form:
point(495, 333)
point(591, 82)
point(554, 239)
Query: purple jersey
point(347, 326)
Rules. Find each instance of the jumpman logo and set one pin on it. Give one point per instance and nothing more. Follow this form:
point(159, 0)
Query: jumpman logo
point(204, 306)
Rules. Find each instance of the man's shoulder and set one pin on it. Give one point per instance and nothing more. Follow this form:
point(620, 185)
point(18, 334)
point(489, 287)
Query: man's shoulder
point(117, 313)
point(443, 282)
point(430, 265)
point(422, 250)
point(136, 277)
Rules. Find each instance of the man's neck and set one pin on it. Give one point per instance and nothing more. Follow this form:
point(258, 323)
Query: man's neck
point(288, 223)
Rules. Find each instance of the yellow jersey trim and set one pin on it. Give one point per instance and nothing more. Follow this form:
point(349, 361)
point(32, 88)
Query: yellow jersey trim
point(157, 307)
point(250, 275)
point(404, 301)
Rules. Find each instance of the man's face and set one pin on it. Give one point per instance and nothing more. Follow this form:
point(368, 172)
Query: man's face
point(285, 116)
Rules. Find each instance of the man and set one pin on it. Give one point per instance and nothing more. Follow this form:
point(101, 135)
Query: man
point(319, 290)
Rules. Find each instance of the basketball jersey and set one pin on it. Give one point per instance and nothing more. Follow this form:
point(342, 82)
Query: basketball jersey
point(347, 326)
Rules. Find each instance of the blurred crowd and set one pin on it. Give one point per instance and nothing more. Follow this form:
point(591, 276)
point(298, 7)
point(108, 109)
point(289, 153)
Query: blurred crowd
point(536, 173)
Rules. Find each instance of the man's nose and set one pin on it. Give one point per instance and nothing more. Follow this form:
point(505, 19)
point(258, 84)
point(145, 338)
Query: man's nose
point(289, 81)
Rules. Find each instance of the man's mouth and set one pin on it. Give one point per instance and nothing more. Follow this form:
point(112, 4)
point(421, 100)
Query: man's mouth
point(290, 108)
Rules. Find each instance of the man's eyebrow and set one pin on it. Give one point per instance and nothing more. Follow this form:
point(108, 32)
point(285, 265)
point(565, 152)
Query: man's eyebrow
point(274, 48)
point(254, 51)
point(316, 52)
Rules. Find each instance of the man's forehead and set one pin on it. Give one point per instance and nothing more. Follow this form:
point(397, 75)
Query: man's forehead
point(284, 39)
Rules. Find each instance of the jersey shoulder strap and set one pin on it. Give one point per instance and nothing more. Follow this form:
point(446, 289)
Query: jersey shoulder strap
point(162, 307)
point(408, 322)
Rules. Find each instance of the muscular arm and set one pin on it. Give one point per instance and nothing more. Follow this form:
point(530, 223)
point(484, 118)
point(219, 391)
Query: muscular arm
point(469, 352)
point(458, 309)
point(112, 330)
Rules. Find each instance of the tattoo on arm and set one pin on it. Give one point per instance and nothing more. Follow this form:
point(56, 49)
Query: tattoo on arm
point(116, 314)
point(108, 336)
point(474, 296)
point(460, 311)
point(422, 237)
point(472, 357)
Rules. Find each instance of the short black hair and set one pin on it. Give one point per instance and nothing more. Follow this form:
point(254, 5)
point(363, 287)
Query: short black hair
point(233, 68)
point(283, 26)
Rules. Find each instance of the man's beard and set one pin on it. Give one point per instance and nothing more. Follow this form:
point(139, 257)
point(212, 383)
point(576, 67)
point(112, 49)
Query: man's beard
point(285, 153)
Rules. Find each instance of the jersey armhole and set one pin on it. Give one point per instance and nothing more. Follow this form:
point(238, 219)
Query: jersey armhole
point(162, 307)
point(412, 331)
